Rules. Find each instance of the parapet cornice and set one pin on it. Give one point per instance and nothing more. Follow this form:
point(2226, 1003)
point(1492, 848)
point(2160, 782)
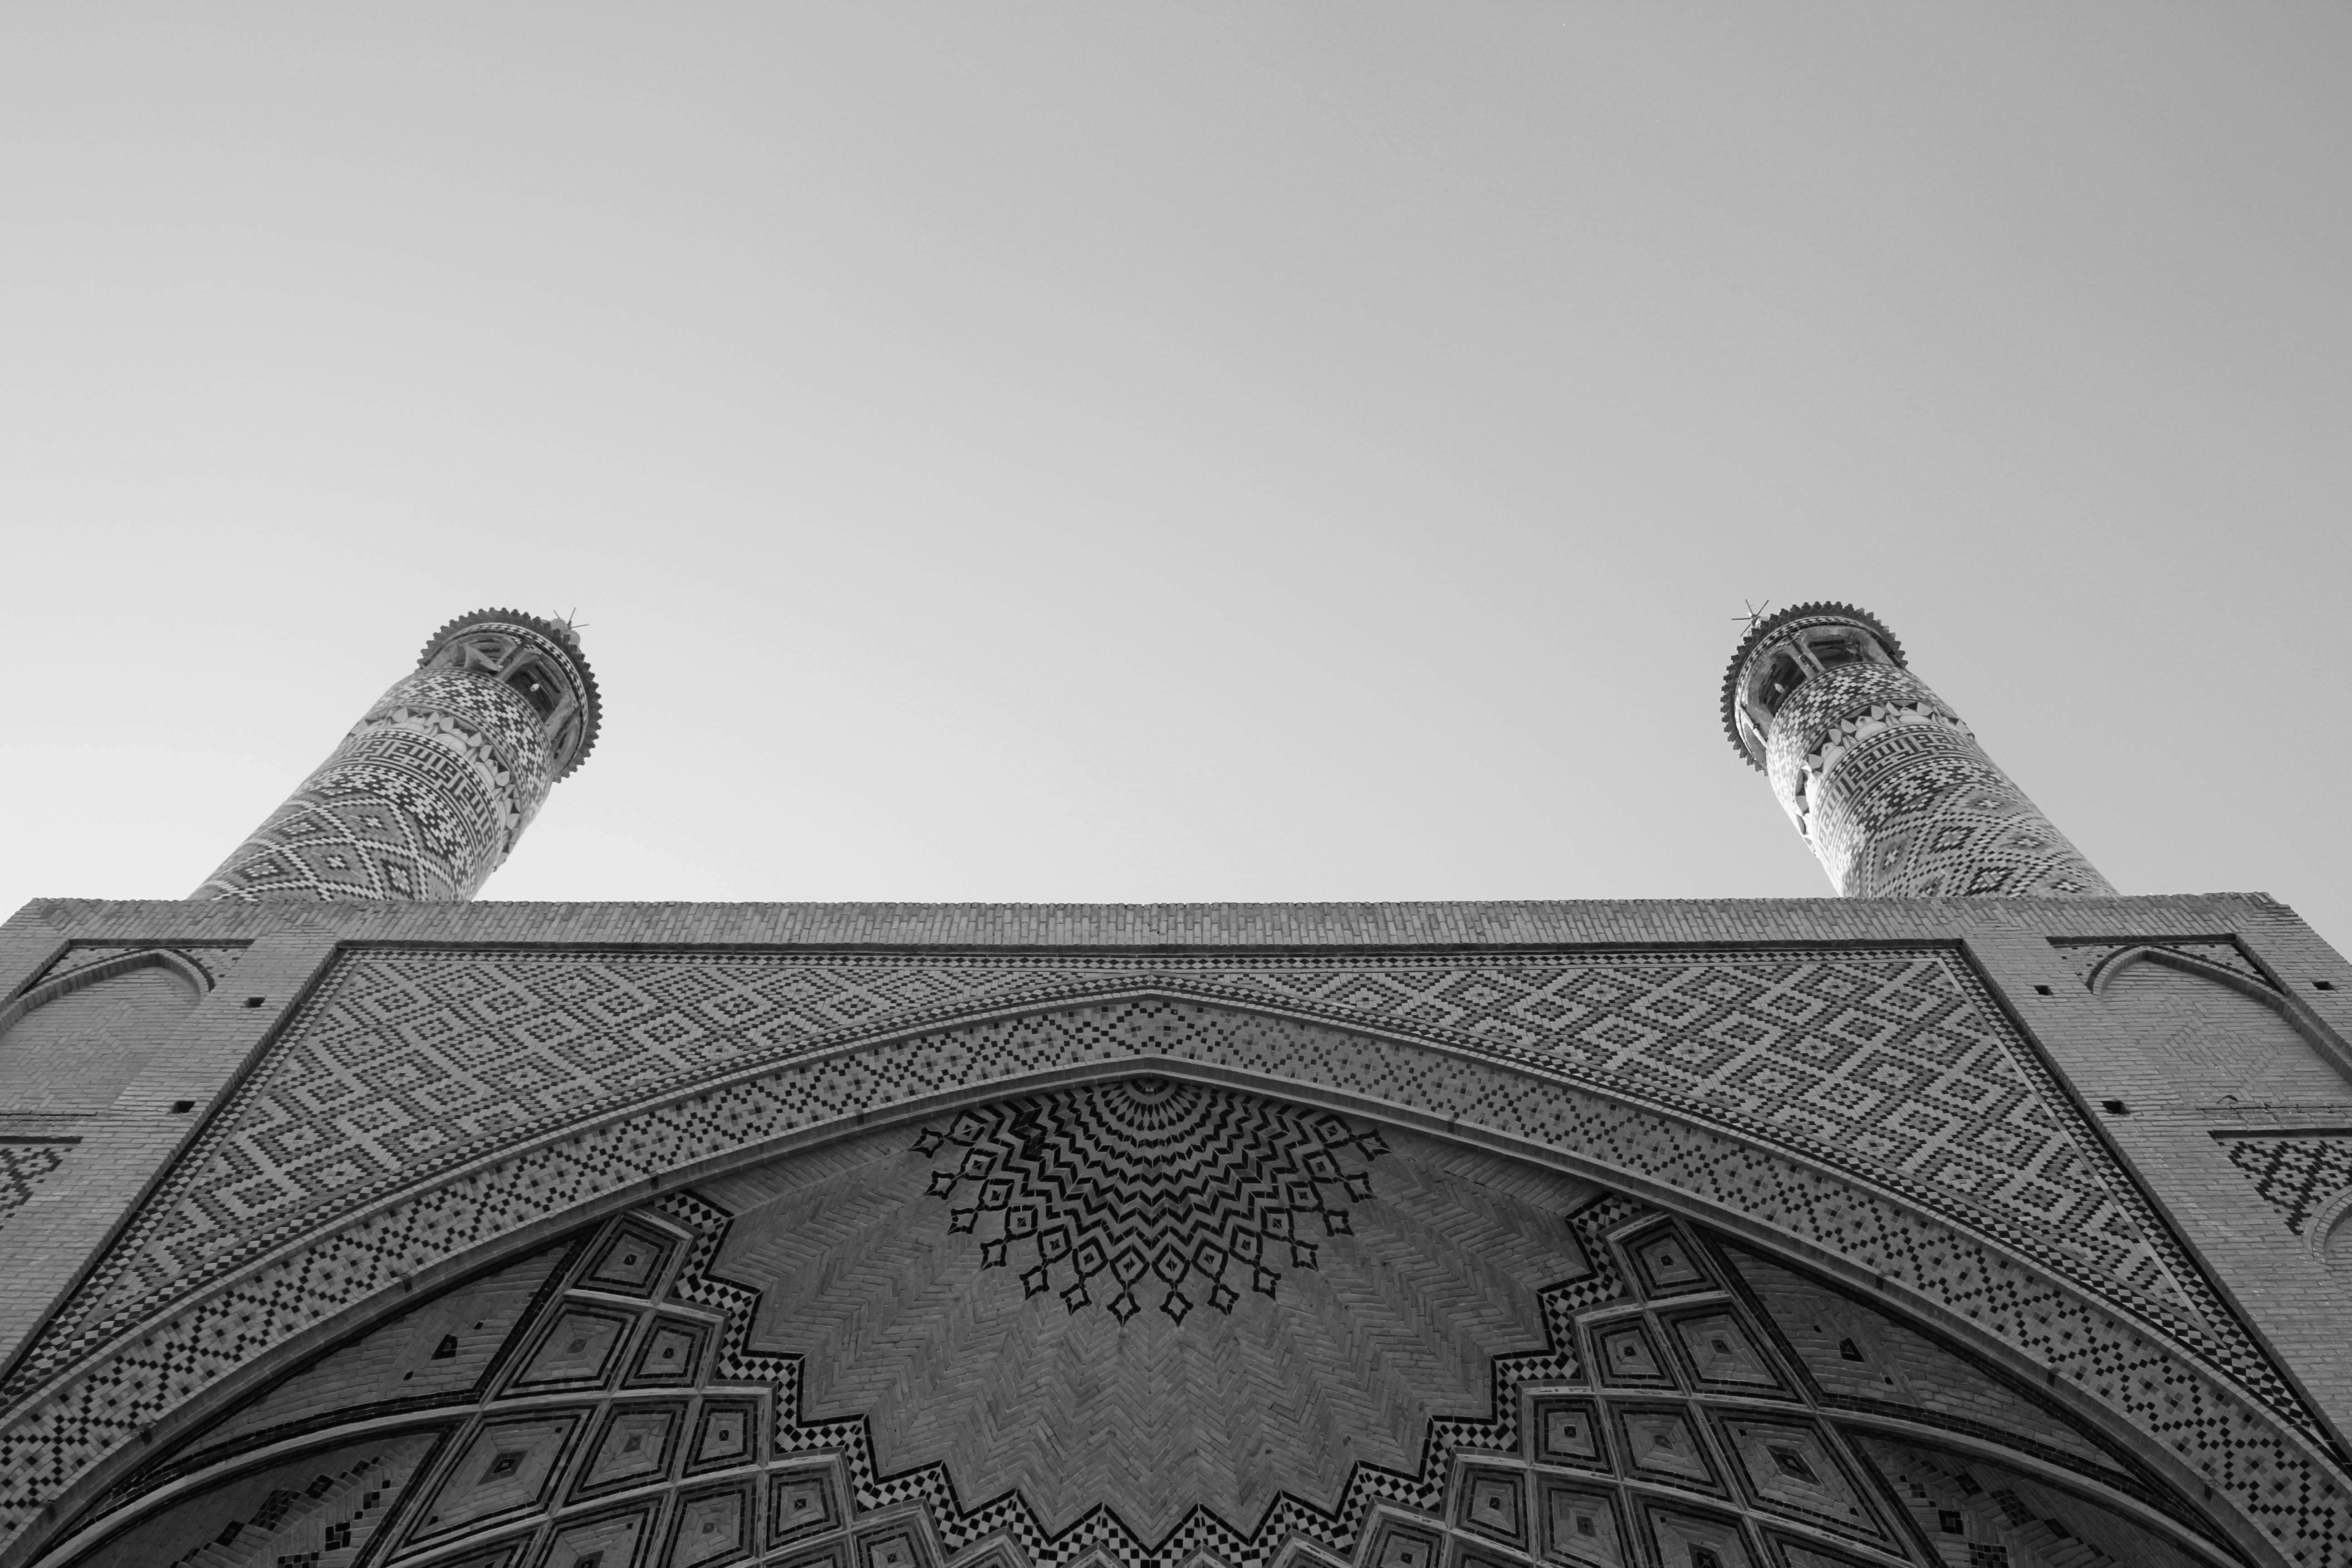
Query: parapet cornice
point(1270, 927)
point(558, 641)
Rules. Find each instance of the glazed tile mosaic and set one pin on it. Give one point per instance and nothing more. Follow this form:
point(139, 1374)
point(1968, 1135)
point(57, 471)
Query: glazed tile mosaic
point(1150, 1185)
point(428, 792)
point(1888, 1064)
point(2297, 1176)
point(23, 1166)
point(636, 1406)
point(1886, 783)
point(2172, 1376)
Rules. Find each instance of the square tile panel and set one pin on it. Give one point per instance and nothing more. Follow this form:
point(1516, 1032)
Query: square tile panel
point(1792, 1468)
point(1626, 1356)
point(636, 1444)
point(1397, 1545)
point(726, 1434)
point(630, 1261)
point(1689, 1538)
point(802, 1503)
point(895, 1545)
point(1719, 1354)
point(713, 1526)
point(1661, 1443)
point(620, 1536)
point(1582, 1524)
point(832, 1554)
point(580, 1348)
point(671, 1354)
point(1666, 1263)
point(1492, 1502)
point(1567, 1431)
point(506, 1467)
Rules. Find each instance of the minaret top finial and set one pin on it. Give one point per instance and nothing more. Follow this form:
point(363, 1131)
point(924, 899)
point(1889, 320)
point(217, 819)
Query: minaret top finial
point(1754, 684)
point(555, 643)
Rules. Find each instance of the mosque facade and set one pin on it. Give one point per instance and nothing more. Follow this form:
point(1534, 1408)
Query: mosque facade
point(1978, 1216)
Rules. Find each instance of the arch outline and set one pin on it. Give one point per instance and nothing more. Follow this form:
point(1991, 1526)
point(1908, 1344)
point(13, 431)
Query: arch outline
point(1863, 1265)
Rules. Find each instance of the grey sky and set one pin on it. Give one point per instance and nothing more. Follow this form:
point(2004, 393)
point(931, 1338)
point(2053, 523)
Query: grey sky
point(1176, 451)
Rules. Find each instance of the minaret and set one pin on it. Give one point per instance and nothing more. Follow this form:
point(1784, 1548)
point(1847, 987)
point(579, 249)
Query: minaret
point(430, 790)
point(1884, 781)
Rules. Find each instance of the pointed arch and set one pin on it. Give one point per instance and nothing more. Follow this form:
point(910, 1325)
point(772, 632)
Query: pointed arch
point(69, 1046)
point(41, 994)
point(186, 1363)
point(1737, 1384)
point(2314, 1031)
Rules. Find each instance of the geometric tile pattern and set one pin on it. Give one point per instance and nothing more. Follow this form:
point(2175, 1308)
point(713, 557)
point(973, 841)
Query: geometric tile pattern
point(428, 792)
point(1558, 1466)
point(1885, 781)
point(1114, 1186)
point(2160, 1358)
point(2295, 1176)
point(421, 801)
point(1898, 799)
point(863, 1280)
point(1974, 1511)
point(1889, 1064)
point(1860, 1359)
point(323, 1509)
point(22, 1166)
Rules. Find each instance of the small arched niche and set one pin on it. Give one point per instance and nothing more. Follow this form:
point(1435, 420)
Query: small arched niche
point(2217, 1038)
point(72, 1045)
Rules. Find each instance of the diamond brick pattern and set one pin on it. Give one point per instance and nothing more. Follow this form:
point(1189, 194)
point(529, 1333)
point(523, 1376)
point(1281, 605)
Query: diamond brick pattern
point(428, 794)
point(22, 1168)
point(1891, 1065)
point(1897, 800)
point(1111, 1188)
point(2195, 1389)
point(420, 800)
point(2296, 1175)
point(515, 1479)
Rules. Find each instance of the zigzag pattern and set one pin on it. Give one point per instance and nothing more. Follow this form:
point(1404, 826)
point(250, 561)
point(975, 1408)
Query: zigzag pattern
point(2296, 1176)
point(23, 1166)
point(2276, 1473)
point(1888, 1064)
point(1101, 1530)
point(421, 800)
point(1897, 800)
point(1123, 1183)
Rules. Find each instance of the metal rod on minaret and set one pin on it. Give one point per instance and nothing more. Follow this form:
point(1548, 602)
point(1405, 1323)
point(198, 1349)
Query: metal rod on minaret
point(1884, 781)
point(427, 795)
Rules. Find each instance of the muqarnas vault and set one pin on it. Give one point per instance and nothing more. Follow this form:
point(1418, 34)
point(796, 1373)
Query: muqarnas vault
point(1979, 1216)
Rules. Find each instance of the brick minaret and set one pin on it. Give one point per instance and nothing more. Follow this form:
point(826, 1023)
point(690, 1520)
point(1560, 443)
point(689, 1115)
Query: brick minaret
point(1884, 781)
point(430, 790)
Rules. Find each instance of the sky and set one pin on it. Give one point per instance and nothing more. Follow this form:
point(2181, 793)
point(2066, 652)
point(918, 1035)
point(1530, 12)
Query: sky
point(1026, 452)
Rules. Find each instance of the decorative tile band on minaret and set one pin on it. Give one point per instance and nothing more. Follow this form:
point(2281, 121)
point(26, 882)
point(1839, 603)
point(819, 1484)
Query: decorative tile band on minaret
point(428, 792)
point(1884, 781)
